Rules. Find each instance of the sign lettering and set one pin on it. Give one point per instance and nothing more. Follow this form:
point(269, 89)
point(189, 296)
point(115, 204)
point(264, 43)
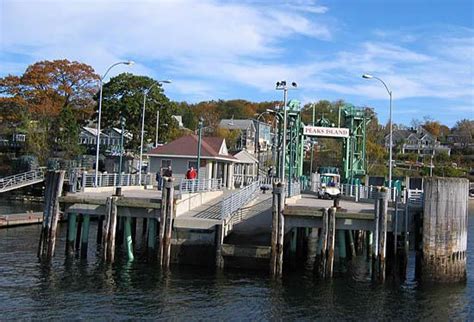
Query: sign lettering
point(335, 132)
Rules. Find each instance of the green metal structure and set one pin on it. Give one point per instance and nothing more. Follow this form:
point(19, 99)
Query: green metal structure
point(354, 147)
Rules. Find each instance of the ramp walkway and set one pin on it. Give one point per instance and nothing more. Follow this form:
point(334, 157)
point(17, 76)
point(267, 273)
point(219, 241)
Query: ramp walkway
point(22, 180)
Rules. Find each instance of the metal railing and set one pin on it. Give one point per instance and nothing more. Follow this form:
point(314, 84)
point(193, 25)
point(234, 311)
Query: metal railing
point(294, 190)
point(199, 185)
point(244, 179)
point(113, 180)
point(22, 179)
point(232, 203)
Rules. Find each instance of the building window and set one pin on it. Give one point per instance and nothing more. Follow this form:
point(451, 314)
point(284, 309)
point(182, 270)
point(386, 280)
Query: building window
point(165, 163)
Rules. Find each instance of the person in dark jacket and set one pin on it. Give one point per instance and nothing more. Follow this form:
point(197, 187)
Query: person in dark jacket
point(168, 172)
point(159, 179)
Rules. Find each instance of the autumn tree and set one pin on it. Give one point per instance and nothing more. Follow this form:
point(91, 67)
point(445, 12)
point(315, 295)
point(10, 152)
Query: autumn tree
point(123, 96)
point(43, 91)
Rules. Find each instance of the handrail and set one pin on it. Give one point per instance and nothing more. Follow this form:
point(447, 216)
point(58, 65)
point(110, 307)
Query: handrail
point(22, 179)
point(199, 185)
point(235, 201)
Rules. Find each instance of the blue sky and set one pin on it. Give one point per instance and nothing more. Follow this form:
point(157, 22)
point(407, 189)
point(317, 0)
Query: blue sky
point(423, 50)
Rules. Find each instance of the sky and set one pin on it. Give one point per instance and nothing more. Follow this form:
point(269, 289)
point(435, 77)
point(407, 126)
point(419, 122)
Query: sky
point(422, 49)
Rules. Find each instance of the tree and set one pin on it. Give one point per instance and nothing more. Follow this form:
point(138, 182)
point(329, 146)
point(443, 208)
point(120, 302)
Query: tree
point(67, 132)
point(123, 96)
point(37, 98)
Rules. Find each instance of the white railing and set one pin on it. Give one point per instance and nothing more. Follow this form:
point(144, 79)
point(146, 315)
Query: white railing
point(87, 180)
point(232, 203)
point(364, 192)
point(414, 197)
point(294, 190)
point(199, 185)
point(245, 179)
point(22, 179)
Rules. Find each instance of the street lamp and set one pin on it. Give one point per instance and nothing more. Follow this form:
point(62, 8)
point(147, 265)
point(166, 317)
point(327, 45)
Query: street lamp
point(282, 86)
point(390, 144)
point(145, 94)
point(257, 147)
point(200, 124)
point(101, 82)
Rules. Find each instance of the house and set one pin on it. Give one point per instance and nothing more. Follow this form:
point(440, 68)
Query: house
point(109, 138)
point(181, 154)
point(245, 168)
point(247, 130)
point(418, 141)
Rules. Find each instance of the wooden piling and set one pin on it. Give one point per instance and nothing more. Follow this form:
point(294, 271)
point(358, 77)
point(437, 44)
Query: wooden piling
point(273, 259)
point(281, 230)
point(445, 227)
point(321, 259)
point(106, 227)
point(162, 228)
point(85, 236)
point(312, 247)
point(51, 213)
point(111, 233)
point(352, 248)
point(331, 240)
point(383, 233)
point(151, 234)
point(219, 242)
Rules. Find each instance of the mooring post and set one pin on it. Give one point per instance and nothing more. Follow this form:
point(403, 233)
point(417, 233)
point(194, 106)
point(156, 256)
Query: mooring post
point(169, 221)
point(376, 235)
point(112, 230)
point(71, 233)
point(219, 242)
point(321, 259)
point(383, 224)
point(162, 227)
point(85, 235)
point(445, 227)
point(106, 227)
point(331, 240)
point(281, 229)
point(312, 247)
point(128, 239)
point(54, 185)
point(273, 259)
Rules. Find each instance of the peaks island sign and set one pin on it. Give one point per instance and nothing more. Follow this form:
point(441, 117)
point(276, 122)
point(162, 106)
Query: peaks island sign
point(335, 132)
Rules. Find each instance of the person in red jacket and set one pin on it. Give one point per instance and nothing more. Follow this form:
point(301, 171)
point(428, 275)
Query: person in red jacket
point(191, 174)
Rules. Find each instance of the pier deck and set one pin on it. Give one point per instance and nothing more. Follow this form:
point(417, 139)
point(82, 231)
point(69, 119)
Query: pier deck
point(21, 219)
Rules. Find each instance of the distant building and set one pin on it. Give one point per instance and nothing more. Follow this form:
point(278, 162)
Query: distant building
point(247, 136)
point(109, 138)
point(418, 141)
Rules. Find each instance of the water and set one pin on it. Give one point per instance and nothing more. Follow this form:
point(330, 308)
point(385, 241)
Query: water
point(87, 290)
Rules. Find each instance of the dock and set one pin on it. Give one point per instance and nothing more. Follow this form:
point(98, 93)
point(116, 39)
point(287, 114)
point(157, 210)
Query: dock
point(21, 219)
point(274, 231)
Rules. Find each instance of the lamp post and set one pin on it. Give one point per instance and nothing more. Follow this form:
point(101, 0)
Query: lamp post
point(145, 94)
point(101, 82)
point(390, 144)
point(200, 124)
point(118, 190)
point(282, 86)
point(312, 147)
point(257, 148)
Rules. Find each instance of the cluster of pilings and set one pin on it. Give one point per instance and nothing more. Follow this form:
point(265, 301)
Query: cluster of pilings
point(114, 227)
point(440, 235)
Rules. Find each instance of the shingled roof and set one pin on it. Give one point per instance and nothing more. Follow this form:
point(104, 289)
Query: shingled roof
point(186, 146)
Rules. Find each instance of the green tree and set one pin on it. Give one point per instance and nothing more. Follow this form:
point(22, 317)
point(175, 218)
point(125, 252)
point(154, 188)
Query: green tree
point(123, 95)
point(67, 131)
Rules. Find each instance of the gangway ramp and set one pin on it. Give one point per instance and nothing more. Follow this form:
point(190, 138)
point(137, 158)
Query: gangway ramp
point(22, 180)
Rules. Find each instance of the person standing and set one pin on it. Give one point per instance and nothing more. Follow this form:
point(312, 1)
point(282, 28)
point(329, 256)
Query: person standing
point(168, 172)
point(191, 174)
point(159, 179)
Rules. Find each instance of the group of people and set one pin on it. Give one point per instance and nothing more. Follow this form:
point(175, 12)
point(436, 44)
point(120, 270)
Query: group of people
point(191, 174)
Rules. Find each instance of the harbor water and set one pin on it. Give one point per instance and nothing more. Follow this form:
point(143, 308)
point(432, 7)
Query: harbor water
point(80, 289)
